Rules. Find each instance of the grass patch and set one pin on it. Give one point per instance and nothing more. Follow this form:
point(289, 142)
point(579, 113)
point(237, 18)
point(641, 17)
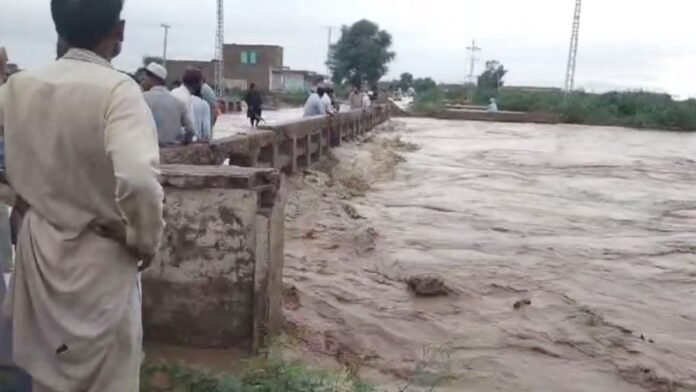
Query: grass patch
point(272, 374)
point(293, 98)
point(634, 109)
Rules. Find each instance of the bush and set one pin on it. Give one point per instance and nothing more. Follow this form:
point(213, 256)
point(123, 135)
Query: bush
point(429, 102)
point(637, 109)
point(293, 98)
point(272, 374)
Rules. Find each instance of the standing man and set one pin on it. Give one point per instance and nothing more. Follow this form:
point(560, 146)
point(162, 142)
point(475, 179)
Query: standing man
point(208, 95)
point(254, 105)
point(189, 93)
point(86, 169)
point(183, 94)
point(366, 101)
point(201, 113)
point(15, 379)
point(326, 101)
point(171, 117)
point(313, 106)
point(355, 99)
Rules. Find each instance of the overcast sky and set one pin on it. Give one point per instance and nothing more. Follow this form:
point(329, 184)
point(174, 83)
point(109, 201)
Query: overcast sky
point(623, 43)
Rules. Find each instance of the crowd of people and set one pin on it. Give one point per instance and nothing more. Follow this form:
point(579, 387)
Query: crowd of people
point(185, 114)
point(322, 101)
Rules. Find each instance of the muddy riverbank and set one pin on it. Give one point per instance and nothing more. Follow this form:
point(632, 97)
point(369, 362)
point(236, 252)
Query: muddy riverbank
point(590, 231)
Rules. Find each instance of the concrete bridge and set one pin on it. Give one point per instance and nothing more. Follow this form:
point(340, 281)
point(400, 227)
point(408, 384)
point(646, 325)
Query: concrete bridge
point(217, 280)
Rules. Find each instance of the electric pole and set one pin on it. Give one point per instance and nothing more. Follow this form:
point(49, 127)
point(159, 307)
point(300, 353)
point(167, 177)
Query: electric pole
point(472, 77)
point(328, 51)
point(220, 50)
point(573, 52)
point(166, 28)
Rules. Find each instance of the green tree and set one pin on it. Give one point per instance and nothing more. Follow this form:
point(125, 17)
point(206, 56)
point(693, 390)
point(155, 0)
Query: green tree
point(406, 81)
point(362, 54)
point(426, 84)
point(493, 77)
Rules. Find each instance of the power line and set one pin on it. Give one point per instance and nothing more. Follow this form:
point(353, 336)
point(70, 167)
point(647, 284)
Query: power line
point(220, 49)
point(573, 52)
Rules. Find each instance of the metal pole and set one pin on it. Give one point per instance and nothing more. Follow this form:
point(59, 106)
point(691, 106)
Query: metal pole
point(166, 28)
point(573, 51)
point(328, 51)
point(220, 50)
point(473, 48)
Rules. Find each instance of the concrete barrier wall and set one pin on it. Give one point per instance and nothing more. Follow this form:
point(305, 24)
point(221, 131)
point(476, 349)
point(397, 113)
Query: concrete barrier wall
point(216, 281)
point(474, 113)
point(286, 146)
point(513, 117)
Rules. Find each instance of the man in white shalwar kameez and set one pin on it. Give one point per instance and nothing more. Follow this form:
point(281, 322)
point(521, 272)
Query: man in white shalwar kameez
point(82, 155)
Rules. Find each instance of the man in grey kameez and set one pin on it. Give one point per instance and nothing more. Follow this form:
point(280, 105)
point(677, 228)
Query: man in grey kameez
point(82, 155)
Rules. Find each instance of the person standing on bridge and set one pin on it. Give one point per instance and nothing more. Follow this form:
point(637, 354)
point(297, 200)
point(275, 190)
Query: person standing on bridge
point(208, 95)
point(355, 99)
point(171, 117)
point(254, 103)
point(86, 170)
point(326, 102)
point(199, 110)
point(313, 106)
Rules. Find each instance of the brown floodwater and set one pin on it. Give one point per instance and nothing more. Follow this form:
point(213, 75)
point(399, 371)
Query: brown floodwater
point(596, 226)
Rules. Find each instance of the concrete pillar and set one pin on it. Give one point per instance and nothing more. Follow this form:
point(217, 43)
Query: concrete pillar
point(322, 142)
point(276, 157)
point(308, 149)
point(216, 282)
point(293, 154)
point(254, 157)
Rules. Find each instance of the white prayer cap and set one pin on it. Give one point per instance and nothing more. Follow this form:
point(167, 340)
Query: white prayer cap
point(157, 70)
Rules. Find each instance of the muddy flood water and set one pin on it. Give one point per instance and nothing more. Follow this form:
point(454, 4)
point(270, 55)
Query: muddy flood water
point(568, 254)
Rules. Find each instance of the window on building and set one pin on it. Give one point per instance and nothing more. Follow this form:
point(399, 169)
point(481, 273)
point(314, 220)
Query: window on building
point(252, 57)
point(245, 57)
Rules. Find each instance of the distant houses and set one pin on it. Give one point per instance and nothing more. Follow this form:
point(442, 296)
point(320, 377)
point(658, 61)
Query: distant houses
point(246, 64)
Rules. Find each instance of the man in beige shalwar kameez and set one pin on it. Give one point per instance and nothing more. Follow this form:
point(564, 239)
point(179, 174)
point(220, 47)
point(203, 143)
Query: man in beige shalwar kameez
point(81, 150)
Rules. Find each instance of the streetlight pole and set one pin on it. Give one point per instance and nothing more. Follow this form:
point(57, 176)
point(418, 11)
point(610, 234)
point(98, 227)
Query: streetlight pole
point(166, 28)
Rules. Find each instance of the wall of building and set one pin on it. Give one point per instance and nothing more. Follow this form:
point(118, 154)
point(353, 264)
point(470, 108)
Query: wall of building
point(289, 81)
point(267, 58)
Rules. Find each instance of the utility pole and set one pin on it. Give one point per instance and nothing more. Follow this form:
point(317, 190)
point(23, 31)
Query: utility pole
point(328, 51)
point(573, 52)
point(166, 28)
point(472, 77)
point(220, 50)
point(473, 49)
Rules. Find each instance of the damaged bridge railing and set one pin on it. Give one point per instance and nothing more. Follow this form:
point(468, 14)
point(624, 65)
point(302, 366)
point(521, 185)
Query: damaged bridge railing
point(217, 280)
